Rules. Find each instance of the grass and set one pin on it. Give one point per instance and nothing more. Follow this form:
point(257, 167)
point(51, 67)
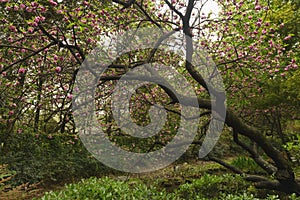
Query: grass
point(168, 178)
point(178, 177)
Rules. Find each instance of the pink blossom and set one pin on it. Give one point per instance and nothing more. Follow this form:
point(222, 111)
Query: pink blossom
point(4, 73)
point(287, 37)
point(12, 28)
point(28, 9)
point(37, 19)
point(52, 2)
point(58, 69)
point(20, 131)
point(258, 7)
point(34, 4)
point(271, 43)
point(295, 66)
point(69, 96)
point(250, 17)
point(21, 70)
point(30, 30)
point(258, 24)
point(11, 112)
point(16, 8)
point(43, 9)
point(55, 57)
point(22, 6)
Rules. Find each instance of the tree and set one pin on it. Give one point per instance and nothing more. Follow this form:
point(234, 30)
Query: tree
point(47, 42)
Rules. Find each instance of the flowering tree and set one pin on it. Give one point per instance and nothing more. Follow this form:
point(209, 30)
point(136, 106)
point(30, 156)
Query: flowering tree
point(44, 44)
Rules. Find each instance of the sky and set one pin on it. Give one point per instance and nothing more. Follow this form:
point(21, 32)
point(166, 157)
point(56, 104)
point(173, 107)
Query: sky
point(211, 6)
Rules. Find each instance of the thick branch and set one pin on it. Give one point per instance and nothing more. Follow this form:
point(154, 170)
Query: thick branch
point(125, 4)
point(282, 164)
point(258, 159)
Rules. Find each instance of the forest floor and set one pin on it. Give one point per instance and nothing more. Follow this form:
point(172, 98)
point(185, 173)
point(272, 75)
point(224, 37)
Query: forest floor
point(169, 178)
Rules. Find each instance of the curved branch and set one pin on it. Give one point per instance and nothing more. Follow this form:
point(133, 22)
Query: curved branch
point(174, 9)
point(225, 164)
point(257, 158)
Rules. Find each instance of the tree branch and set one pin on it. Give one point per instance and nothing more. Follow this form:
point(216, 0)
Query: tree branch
point(225, 164)
point(258, 159)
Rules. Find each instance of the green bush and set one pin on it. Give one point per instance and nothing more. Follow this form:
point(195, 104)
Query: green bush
point(48, 158)
point(107, 188)
point(212, 186)
point(225, 187)
point(247, 165)
point(245, 196)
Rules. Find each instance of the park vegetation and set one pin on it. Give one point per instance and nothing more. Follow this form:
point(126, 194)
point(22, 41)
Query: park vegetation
point(254, 45)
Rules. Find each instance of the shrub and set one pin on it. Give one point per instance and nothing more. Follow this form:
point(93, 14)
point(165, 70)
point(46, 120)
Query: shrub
point(247, 164)
point(212, 186)
point(245, 196)
point(43, 158)
point(107, 188)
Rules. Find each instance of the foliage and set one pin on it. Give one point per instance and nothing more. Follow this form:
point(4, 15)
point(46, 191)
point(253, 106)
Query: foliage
point(41, 157)
point(247, 164)
point(107, 188)
point(207, 187)
point(245, 196)
point(5, 175)
point(211, 186)
point(253, 43)
point(293, 146)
